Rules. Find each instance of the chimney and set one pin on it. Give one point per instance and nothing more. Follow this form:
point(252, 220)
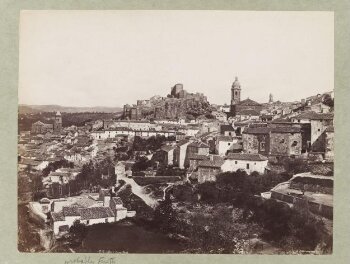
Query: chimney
point(106, 201)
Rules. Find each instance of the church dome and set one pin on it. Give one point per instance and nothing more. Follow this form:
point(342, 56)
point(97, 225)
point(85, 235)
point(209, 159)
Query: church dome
point(236, 84)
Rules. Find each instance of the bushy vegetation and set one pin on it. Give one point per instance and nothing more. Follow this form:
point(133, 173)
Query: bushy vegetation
point(78, 232)
point(321, 182)
point(236, 186)
point(287, 228)
point(25, 121)
point(294, 166)
point(142, 163)
point(196, 111)
point(206, 231)
point(53, 166)
point(149, 144)
point(170, 171)
point(327, 100)
point(91, 174)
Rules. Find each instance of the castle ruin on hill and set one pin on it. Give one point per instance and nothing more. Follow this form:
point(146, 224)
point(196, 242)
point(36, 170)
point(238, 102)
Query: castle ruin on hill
point(177, 104)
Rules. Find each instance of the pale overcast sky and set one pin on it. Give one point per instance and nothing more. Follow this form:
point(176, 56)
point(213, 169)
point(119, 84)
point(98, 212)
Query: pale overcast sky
point(110, 58)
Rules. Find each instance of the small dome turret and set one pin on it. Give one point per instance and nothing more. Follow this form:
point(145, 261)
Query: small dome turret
point(236, 84)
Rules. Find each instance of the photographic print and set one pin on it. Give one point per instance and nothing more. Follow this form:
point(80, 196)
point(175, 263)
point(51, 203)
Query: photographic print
point(198, 132)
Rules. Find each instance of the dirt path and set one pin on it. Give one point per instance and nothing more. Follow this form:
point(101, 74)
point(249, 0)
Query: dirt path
point(139, 191)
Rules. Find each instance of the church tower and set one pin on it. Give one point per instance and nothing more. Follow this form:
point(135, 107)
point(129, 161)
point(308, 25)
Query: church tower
point(235, 95)
point(57, 125)
point(270, 98)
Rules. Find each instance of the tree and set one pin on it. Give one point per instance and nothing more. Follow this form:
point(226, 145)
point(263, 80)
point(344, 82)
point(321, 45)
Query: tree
point(142, 164)
point(290, 243)
point(150, 144)
point(165, 217)
point(327, 100)
point(37, 186)
point(78, 232)
point(52, 166)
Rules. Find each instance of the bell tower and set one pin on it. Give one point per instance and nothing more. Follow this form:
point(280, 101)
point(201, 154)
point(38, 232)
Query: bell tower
point(235, 92)
point(235, 95)
point(57, 125)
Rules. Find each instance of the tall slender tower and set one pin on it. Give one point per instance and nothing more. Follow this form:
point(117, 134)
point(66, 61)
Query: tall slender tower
point(235, 95)
point(57, 126)
point(270, 98)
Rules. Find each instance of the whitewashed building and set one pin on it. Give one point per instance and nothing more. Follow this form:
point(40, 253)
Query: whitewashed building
point(246, 162)
point(224, 143)
point(112, 210)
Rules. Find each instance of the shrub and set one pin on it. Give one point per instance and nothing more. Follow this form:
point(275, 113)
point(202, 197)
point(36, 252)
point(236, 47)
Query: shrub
point(78, 232)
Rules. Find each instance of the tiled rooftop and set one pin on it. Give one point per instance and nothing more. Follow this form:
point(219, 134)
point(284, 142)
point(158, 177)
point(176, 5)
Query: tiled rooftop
point(244, 156)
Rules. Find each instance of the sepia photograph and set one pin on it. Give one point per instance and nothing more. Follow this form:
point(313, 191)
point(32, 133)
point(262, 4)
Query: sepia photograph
point(176, 132)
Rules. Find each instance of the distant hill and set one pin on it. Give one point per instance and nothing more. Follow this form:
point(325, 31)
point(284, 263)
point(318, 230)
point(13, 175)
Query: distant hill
point(32, 109)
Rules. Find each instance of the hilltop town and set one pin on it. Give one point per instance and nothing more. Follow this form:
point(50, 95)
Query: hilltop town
point(181, 167)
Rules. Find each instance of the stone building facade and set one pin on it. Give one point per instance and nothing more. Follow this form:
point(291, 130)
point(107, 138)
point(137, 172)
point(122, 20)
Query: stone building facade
point(132, 112)
point(209, 169)
point(329, 143)
point(318, 125)
point(178, 91)
point(318, 128)
point(198, 148)
point(275, 142)
point(285, 142)
point(256, 140)
point(41, 128)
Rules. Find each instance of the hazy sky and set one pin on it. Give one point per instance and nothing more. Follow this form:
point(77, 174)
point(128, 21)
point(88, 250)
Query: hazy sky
point(110, 58)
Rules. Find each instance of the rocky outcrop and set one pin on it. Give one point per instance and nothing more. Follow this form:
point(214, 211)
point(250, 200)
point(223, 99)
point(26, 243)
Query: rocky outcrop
point(173, 108)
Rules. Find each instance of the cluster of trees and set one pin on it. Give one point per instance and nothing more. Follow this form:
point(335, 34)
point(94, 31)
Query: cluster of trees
point(122, 152)
point(327, 100)
point(97, 174)
point(288, 228)
point(71, 188)
point(214, 232)
point(237, 186)
point(92, 176)
point(25, 121)
point(142, 163)
point(321, 182)
point(34, 185)
point(77, 233)
point(79, 119)
point(150, 144)
point(203, 109)
point(52, 166)
point(170, 171)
